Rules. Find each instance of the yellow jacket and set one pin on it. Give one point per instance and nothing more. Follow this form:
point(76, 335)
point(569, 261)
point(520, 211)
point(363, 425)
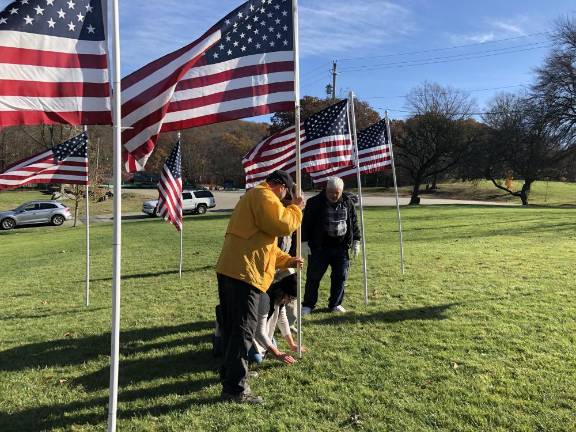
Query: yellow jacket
point(250, 252)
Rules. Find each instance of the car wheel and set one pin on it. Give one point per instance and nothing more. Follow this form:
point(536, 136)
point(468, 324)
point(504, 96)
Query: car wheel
point(57, 220)
point(8, 224)
point(201, 209)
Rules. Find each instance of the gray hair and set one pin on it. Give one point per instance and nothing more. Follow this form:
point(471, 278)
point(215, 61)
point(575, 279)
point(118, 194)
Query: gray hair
point(335, 183)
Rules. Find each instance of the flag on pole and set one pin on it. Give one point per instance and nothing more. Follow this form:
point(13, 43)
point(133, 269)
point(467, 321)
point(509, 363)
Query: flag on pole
point(326, 144)
point(169, 204)
point(65, 163)
point(53, 63)
point(241, 67)
point(373, 154)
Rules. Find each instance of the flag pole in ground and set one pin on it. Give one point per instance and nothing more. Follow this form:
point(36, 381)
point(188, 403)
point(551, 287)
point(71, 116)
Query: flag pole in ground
point(117, 236)
point(87, 191)
point(352, 120)
point(181, 230)
point(298, 164)
point(396, 190)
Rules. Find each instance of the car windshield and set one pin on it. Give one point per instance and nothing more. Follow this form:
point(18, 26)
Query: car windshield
point(21, 207)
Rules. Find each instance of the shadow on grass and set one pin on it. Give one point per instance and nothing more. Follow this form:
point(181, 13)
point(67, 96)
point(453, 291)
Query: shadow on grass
point(52, 314)
point(74, 351)
point(423, 313)
point(155, 374)
point(155, 274)
point(93, 411)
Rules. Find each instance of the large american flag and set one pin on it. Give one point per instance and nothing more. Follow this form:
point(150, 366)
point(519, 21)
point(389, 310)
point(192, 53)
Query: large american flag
point(373, 154)
point(169, 204)
point(53, 63)
point(325, 144)
point(65, 163)
point(242, 67)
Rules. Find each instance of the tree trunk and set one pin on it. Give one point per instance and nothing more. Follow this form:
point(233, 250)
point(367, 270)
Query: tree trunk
point(525, 192)
point(415, 199)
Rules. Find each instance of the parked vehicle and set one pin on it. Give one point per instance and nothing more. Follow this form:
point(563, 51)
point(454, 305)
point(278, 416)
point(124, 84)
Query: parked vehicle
point(193, 201)
point(35, 212)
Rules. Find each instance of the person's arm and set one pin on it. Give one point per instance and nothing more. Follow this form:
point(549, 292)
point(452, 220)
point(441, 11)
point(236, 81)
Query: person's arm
point(272, 217)
point(284, 327)
point(308, 220)
point(354, 222)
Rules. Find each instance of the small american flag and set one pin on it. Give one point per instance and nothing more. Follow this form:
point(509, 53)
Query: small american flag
point(325, 144)
point(242, 67)
point(53, 63)
point(373, 154)
point(169, 204)
point(65, 163)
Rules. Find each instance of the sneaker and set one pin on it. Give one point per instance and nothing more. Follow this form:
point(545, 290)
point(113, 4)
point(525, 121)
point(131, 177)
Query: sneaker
point(306, 310)
point(253, 374)
point(242, 398)
point(338, 308)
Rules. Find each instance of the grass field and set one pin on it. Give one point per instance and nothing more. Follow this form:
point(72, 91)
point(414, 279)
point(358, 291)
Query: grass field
point(131, 201)
point(478, 335)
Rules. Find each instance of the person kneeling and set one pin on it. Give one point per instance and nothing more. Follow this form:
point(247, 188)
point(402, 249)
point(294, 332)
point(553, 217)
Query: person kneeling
point(272, 314)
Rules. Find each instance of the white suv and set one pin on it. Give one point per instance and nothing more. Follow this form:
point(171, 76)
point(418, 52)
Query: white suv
point(193, 201)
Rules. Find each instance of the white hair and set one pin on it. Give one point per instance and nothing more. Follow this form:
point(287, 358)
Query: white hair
point(335, 183)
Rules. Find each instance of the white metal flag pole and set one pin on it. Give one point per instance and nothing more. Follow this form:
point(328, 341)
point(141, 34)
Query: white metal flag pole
point(298, 164)
point(352, 120)
point(117, 240)
point(181, 225)
point(396, 190)
point(87, 191)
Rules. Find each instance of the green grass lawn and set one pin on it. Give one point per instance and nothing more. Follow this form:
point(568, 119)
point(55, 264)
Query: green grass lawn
point(478, 335)
point(131, 201)
point(542, 193)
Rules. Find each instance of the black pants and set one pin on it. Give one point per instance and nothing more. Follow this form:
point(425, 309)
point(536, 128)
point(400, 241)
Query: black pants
point(239, 303)
point(335, 257)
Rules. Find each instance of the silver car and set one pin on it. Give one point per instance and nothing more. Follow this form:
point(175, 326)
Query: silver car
point(35, 212)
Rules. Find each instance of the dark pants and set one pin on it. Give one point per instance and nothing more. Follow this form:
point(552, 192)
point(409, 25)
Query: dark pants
point(318, 262)
point(239, 307)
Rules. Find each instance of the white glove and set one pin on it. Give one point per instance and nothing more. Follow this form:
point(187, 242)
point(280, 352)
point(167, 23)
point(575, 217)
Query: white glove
point(355, 249)
point(305, 249)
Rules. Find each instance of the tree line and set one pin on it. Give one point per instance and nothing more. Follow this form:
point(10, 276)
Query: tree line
point(527, 136)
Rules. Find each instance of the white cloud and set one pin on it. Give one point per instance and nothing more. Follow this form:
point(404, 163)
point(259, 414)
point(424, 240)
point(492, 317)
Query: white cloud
point(341, 26)
point(494, 29)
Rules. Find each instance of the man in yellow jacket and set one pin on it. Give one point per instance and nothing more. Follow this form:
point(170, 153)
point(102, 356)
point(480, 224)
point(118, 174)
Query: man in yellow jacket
point(245, 270)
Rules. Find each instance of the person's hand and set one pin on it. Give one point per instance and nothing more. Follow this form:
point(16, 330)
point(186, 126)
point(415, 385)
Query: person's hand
point(298, 201)
point(305, 249)
point(294, 348)
point(295, 262)
point(355, 249)
point(286, 359)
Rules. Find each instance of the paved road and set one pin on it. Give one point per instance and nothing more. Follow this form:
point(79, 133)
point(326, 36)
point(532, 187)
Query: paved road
point(226, 201)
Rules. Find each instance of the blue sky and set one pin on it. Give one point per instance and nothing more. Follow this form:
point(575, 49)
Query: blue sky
point(383, 48)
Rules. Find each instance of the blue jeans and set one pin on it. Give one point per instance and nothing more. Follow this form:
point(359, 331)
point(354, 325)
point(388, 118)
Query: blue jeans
point(254, 356)
point(318, 262)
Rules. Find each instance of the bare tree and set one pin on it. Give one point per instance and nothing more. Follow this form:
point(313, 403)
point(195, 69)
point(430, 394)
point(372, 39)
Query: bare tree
point(433, 140)
point(520, 142)
point(555, 87)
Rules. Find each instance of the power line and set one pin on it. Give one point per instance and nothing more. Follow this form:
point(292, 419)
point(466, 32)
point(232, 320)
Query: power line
point(448, 48)
point(466, 90)
point(448, 59)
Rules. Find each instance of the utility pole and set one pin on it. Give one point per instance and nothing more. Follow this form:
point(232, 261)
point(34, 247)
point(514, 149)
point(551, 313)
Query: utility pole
point(334, 75)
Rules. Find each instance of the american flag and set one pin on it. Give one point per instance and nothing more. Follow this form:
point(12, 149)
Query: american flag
point(170, 189)
point(325, 144)
point(65, 163)
point(373, 154)
point(53, 63)
point(242, 67)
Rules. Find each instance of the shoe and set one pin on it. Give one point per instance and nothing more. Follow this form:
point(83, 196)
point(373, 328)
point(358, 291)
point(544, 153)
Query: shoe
point(253, 374)
point(338, 308)
point(306, 310)
point(242, 398)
